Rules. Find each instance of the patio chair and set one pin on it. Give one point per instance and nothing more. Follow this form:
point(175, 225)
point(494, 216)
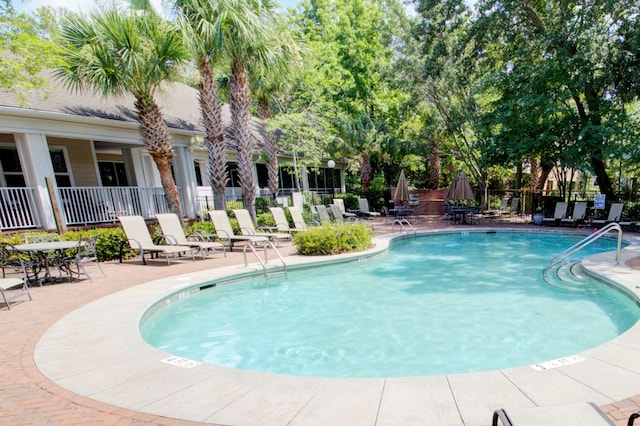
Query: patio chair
point(323, 213)
point(14, 275)
point(345, 214)
point(615, 213)
point(363, 203)
point(298, 220)
point(282, 224)
point(139, 238)
point(85, 253)
point(172, 230)
point(583, 414)
point(247, 228)
point(224, 230)
point(577, 217)
point(559, 214)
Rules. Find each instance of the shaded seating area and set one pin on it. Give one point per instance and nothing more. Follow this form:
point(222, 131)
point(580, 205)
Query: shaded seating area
point(139, 238)
point(582, 414)
point(559, 213)
point(224, 230)
point(173, 232)
point(578, 215)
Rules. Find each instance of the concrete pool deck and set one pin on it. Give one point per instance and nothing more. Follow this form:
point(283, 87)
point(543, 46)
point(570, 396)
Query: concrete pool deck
point(98, 370)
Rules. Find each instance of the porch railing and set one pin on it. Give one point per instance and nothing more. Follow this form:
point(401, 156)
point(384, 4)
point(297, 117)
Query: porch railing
point(17, 209)
point(87, 205)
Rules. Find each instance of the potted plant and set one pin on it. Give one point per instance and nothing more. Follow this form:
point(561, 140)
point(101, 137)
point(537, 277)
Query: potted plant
point(538, 216)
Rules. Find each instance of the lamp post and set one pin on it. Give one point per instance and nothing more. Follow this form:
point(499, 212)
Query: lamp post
point(332, 165)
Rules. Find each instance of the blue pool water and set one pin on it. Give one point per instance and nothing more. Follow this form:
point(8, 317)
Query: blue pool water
point(441, 304)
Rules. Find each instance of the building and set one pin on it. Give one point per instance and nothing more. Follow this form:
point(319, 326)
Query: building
point(73, 159)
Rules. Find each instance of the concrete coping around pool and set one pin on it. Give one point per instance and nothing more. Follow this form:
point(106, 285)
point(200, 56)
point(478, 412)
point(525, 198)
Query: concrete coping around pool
point(98, 353)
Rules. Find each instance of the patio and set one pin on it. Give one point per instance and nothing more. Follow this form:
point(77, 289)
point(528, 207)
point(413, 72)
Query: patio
point(27, 396)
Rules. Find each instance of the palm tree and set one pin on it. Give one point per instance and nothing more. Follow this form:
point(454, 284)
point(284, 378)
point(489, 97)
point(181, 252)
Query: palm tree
point(359, 137)
point(203, 23)
point(244, 43)
point(114, 52)
point(270, 79)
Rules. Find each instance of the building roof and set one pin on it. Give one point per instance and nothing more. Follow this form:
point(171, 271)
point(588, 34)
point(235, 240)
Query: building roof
point(179, 104)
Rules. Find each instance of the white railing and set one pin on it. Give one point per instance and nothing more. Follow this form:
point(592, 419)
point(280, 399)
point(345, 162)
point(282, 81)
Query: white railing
point(588, 240)
point(17, 209)
point(87, 205)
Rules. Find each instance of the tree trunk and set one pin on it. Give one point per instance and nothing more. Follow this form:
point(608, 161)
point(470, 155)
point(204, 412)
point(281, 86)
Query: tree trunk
point(241, 119)
point(435, 165)
point(365, 174)
point(271, 149)
point(156, 137)
point(211, 112)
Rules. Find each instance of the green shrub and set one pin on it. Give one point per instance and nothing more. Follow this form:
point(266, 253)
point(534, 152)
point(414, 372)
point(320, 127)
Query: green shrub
point(109, 242)
point(265, 219)
point(333, 239)
point(108, 246)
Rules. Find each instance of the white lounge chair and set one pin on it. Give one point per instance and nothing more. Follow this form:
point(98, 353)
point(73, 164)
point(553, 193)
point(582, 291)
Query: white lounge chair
point(172, 230)
point(323, 213)
point(298, 220)
point(615, 213)
point(577, 217)
point(224, 230)
point(340, 203)
point(281, 220)
point(583, 414)
point(363, 203)
point(139, 238)
point(559, 214)
point(247, 228)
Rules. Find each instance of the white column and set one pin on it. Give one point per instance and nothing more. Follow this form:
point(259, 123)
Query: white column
point(305, 180)
point(36, 163)
point(186, 178)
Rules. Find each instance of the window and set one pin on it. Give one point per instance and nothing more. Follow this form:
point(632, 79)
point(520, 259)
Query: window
point(112, 173)
point(234, 178)
point(196, 165)
point(11, 169)
point(263, 175)
point(60, 169)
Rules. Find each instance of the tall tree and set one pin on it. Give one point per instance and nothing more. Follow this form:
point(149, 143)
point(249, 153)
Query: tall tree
point(244, 43)
point(114, 52)
point(271, 79)
point(204, 23)
point(28, 47)
point(576, 59)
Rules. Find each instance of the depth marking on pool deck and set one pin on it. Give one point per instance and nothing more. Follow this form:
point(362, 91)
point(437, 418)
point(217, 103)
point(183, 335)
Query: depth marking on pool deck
point(181, 362)
point(555, 363)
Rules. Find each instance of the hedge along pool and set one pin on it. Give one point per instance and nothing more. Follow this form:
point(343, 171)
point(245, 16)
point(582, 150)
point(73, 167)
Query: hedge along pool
point(436, 304)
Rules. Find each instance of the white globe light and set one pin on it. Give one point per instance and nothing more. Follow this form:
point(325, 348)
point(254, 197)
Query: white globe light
point(331, 164)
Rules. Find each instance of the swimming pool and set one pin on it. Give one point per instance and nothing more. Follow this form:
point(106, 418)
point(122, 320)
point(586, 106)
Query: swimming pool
point(441, 304)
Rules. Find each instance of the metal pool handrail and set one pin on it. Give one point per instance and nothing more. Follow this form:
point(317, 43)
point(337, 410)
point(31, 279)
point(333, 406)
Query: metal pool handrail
point(264, 262)
point(588, 240)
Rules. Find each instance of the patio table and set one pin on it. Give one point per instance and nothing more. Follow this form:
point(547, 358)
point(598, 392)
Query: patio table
point(43, 250)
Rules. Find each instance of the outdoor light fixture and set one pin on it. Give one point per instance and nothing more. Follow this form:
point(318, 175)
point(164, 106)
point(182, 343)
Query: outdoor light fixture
point(332, 165)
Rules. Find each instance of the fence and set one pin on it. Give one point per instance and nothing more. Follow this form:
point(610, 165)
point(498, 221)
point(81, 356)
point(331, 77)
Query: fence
point(17, 209)
point(90, 205)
